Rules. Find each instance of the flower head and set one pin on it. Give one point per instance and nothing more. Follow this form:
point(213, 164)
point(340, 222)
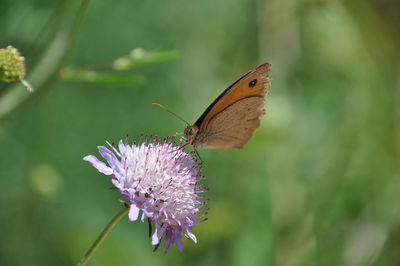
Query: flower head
point(161, 180)
point(12, 64)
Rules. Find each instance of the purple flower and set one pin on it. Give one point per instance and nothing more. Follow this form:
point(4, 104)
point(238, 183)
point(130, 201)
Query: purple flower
point(159, 179)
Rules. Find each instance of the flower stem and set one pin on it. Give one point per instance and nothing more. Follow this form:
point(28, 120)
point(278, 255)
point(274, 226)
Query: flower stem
point(101, 237)
point(27, 85)
point(74, 34)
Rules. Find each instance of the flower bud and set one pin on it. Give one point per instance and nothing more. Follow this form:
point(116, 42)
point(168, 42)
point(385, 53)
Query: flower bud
point(12, 64)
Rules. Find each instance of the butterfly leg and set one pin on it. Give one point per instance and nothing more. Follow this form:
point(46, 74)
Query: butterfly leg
point(198, 155)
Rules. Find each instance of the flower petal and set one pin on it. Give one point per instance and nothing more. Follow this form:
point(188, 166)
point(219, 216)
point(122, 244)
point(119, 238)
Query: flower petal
point(99, 165)
point(168, 239)
point(109, 156)
point(121, 147)
point(191, 236)
point(111, 159)
point(113, 148)
point(160, 232)
point(133, 212)
point(178, 238)
point(154, 238)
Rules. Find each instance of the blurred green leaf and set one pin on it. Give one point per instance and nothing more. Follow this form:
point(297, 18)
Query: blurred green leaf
point(90, 76)
point(139, 57)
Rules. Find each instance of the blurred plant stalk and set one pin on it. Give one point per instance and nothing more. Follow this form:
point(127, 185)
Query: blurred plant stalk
point(139, 57)
point(52, 66)
point(102, 236)
point(45, 73)
point(100, 73)
point(91, 76)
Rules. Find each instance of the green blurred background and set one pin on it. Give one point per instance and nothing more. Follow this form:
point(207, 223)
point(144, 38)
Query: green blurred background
point(318, 184)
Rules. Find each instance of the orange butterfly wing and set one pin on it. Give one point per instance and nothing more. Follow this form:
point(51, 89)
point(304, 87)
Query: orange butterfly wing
point(232, 118)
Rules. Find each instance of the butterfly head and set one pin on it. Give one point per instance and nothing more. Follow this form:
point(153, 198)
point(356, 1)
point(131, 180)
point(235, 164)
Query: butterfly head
point(190, 133)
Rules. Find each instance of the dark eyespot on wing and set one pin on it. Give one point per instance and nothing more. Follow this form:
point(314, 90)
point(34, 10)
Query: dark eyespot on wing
point(253, 83)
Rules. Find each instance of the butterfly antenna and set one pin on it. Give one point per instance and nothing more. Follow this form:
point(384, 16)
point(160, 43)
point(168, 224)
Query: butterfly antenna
point(159, 105)
point(198, 155)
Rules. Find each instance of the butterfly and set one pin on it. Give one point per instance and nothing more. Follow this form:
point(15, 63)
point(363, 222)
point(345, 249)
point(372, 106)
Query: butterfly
point(231, 119)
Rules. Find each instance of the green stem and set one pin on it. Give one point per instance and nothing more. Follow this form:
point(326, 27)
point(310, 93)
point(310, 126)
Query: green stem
point(74, 33)
point(27, 85)
point(101, 237)
point(49, 31)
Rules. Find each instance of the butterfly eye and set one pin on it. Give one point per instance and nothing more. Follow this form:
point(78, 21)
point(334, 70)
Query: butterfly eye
point(189, 131)
point(253, 83)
